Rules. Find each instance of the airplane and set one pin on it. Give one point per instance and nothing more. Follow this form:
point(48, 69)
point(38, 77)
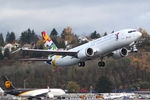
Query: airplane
point(114, 44)
point(9, 88)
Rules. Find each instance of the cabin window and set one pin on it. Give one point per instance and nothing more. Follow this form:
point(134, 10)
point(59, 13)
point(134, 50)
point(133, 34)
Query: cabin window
point(131, 31)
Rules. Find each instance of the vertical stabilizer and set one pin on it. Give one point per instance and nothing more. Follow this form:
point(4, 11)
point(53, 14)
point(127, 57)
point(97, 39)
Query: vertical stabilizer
point(48, 43)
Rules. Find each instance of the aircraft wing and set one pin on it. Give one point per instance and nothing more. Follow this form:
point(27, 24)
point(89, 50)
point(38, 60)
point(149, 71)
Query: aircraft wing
point(44, 95)
point(55, 52)
point(41, 95)
point(34, 59)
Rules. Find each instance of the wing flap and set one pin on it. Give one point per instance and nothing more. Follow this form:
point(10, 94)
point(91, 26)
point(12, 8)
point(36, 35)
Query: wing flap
point(34, 59)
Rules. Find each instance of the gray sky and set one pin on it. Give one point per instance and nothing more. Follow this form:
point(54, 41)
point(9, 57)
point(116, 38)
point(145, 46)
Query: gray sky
point(83, 16)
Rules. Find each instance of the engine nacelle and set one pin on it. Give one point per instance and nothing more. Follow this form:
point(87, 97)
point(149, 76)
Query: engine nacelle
point(49, 95)
point(88, 52)
point(120, 53)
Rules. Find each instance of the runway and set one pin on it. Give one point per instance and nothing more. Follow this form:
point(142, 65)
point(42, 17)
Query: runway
point(88, 96)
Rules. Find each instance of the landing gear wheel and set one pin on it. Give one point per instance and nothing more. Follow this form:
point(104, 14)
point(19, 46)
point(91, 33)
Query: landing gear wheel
point(101, 64)
point(29, 98)
point(81, 64)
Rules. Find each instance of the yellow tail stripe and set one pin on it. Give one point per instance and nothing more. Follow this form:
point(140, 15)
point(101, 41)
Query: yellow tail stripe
point(53, 62)
point(26, 92)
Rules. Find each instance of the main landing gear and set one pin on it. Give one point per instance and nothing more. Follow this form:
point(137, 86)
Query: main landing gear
point(101, 63)
point(133, 47)
point(81, 64)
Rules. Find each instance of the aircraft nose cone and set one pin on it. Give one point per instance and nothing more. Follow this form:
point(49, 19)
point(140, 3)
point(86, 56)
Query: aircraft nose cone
point(139, 34)
point(63, 92)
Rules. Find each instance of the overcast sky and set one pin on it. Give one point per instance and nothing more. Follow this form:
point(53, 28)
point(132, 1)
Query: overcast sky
point(83, 16)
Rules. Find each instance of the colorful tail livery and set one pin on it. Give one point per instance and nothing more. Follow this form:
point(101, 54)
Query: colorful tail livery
point(6, 84)
point(48, 43)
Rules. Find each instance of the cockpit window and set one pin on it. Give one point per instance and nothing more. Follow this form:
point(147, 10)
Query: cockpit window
point(131, 31)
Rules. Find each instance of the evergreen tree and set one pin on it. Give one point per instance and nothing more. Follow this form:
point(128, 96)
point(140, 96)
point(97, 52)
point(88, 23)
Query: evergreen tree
point(10, 37)
point(144, 85)
point(105, 34)
point(1, 55)
point(34, 38)
point(53, 36)
point(94, 35)
point(7, 37)
point(28, 36)
point(104, 85)
point(6, 53)
point(1, 40)
point(54, 32)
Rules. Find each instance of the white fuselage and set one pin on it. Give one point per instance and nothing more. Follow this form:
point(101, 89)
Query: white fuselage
point(36, 92)
point(101, 46)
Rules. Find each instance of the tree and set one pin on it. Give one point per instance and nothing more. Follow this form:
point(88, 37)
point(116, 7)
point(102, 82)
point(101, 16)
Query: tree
point(53, 36)
point(6, 53)
point(10, 37)
point(144, 40)
point(104, 85)
point(105, 34)
point(1, 55)
point(72, 87)
point(67, 33)
point(144, 85)
point(28, 36)
point(54, 32)
point(1, 40)
point(7, 37)
point(68, 36)
point(40, 44)
point(94, 35)
point(61, 44)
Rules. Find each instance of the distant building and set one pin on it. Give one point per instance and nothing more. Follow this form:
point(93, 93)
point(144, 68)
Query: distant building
point(27, 46)
point(8, 46)
point(83, 39)
point(17, 45)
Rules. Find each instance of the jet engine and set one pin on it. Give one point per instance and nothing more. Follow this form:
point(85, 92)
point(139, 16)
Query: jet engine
point(88, 52)
point(123, 52)
point(49, 95)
